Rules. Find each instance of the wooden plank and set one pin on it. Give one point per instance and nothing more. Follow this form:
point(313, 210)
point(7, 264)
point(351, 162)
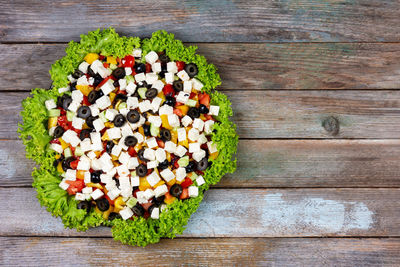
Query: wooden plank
point(198, 252)
point(274, 163)
point(286, 114)
point(283, 66)
point(222, 21)
point(242, 213)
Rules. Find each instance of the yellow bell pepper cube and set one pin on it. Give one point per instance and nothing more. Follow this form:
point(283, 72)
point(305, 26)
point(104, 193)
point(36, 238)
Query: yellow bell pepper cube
point(111, 60)
point(114, 158)
point(165, 123)
point(118, 204)
point(80, 174)
point(64, 144)
point(171, 182)
point(52, 122)
point(112, 96)
point(213, 155)
point(107, 213)
point(174, 136)
point(141, 131)
point(184, 109)
point(184, 143)
point(91, 57)
point(169, 198)
point(168, 156)
point(105, 137)
point(143, 184)
point(85, 89)
point(96, 185)
point(162, 96)
point(96, 209)
point(161, 182)
point(109, 124)
point(59, 168)
point(98, 153)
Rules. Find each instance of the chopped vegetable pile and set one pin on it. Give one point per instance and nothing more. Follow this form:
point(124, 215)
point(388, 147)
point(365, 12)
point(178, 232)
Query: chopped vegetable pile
point(134, 135)
point(130, 135)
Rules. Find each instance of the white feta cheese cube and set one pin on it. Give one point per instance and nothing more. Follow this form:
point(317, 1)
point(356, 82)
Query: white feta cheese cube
point(87, 190)
point(148, 194)
point(132, 102)
point(71, 137)
point(63, 185)
point(110, 114)
point(94, 110)
point(80, 196)
point(114, 133)
point(123, 170)
point(186, 121)
point(70, 175)
point(155, 104)
point(171, 67)
point(50, 104)
point(173, 120)
point(200, 180)
point(51, 130)
point(139, 137)
point(97, 145)
point(87, 178)
point(128, 71)
point(167, 174)
point(153, 178)
point(83, 67)
point(98, 125)
point(95, 164)
point(180, 151)
point(183, 75)
point(151, 142)
point(160, 155)
point(193, 134)
point(152, 164)
point(199, 155)
point(193, 191)
point(82, 81)
point(187, 86)
point(126, 213)
point(135, 181)
point(91, 80)
point(71, 79)
point(85, 144)
point(145, 106)
point(149, 154)
point(111, 185)
point(121, 143)
point(156, 67)
point(151, 57)
point(155, 120)
point(208, 126)
point(212, 148)
point(159, 85)
point(108, 87)
point(155, 213)
point(151, 78)
point(133, 163)
point(112, 172)
point(180, 174)
point(169, 77)
point(214, 110)
point(77, 96)
point(182, 97)
point(83, 164)
point(197, 85)
point(140, 77)
point(77, 123)
point(166, 110)
point(194, 147)
point(63, 90)
point(137, 52)
point(198, 124)
point(131, 88)
point(202, 139)
point(96, 194)
point(57, 148)
point(122, 84)
point(74, 106)
point(124, 111)
point(160, 190)
point(170, 147)
point(113, 194)
point(103, 102)
point(126, 130)
point(124, 158)
point(181, 134)
point(91, 155)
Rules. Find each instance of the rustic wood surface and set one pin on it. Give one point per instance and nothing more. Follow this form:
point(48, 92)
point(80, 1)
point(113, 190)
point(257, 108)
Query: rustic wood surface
point(244, 66)
point(318, 179)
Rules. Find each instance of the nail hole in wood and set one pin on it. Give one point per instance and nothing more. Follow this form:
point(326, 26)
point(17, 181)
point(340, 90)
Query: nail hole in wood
point(331, 125)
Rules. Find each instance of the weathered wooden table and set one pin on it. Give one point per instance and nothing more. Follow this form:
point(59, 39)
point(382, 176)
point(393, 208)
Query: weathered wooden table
point(314, 87)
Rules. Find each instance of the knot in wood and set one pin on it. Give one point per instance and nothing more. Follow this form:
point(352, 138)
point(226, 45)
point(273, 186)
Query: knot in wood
point(331, 125)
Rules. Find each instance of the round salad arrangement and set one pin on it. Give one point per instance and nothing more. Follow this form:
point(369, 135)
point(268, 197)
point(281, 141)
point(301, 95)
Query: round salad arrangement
point(130, 135)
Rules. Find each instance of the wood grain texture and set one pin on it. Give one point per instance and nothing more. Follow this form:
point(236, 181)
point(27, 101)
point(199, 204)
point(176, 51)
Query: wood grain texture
point(202, 252)
point(215, 21)
point(243, 66)
point(241, 213)
point(285, 114)
point(273, 163)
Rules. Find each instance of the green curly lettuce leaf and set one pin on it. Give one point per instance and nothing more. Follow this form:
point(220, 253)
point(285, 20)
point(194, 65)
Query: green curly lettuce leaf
point(33, 131)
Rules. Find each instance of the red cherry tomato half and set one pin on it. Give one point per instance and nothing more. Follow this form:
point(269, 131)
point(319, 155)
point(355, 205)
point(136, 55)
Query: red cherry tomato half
point(180, 65)
point(204, 99)
point(75, 186)
point(129, 61)
point(187, 182)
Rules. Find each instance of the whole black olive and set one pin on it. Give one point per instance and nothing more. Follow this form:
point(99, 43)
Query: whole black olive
point(163, 165)
point(66, 102)
point(170, 101)
point(158, 200)
point(203, 109)
point(164, 58)
point(193, 113)
point(95, 177)
point(113, 216)
point(139, 68)
point(90, 120)
point(146, 130)
point(66, 164)
point(77, 74)
point(190, 167)
point(121, 97)
point(140, 155)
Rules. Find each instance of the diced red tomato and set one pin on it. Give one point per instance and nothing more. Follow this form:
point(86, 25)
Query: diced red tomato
point(132, 152)
point(121, 92)
point(208, 117)
point(204, 99)
point(104, 81)
point(109, 199)
point(177, 104)
point(148, 67)
point(146, 215)
point(146, 206)
point(62, 111)
point(86, 101)
point(75, 186)
point(185, 193)
point(200, 172)
point(178, 112)
point(192, 95)
point(160, 143)
point(176, 165)
point(129, 61)
point(106, 65)
point(55, 141)
point(180, 65)
point(74, 164)
point(168, 90)
point(101, 57)
point(187, 182)
point(63, 122)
